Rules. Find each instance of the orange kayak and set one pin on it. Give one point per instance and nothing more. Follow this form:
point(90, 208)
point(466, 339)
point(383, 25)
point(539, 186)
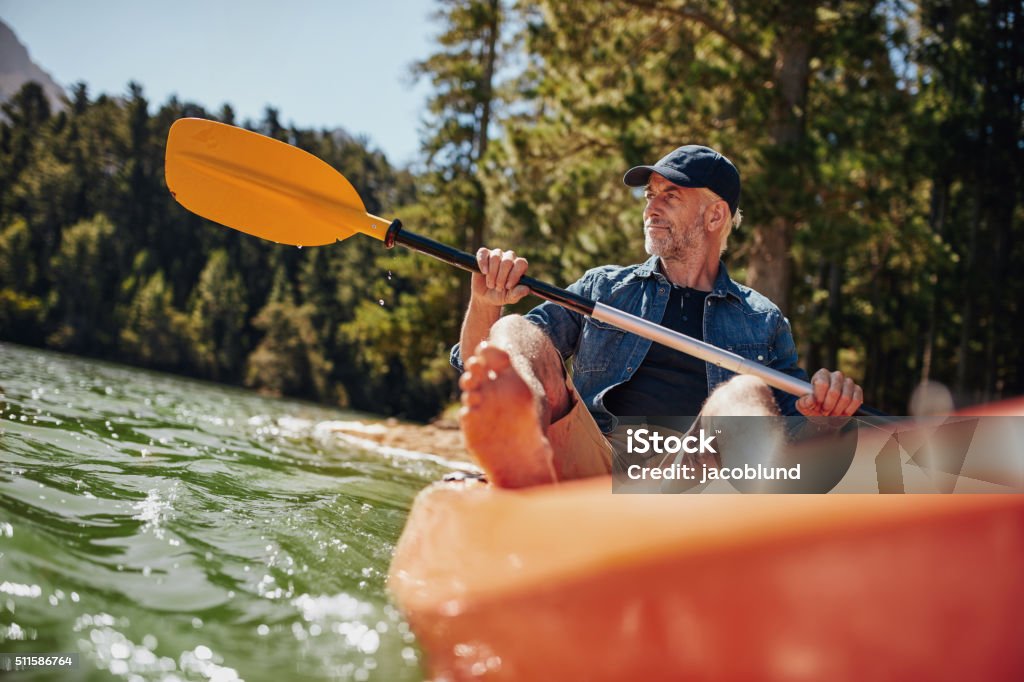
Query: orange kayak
point(570, 582)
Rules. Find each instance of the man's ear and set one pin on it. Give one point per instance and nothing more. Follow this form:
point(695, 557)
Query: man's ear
point(717, 215)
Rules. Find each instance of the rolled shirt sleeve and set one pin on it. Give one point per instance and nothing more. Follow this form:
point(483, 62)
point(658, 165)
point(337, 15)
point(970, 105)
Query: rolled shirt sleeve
point(562, 326)
point(787, 362)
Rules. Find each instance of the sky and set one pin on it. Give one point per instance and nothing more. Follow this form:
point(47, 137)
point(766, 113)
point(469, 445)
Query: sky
point(328, 63)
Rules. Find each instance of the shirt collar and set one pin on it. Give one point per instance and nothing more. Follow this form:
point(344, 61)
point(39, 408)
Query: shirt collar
point(724, 286)
point(648, 268)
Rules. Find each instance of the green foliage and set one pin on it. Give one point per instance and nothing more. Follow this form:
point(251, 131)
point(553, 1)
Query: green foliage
point(288, 360)
point(20, 315)
point(155, 333)
point(84, 286)
point(17, 270)
point(217, 316)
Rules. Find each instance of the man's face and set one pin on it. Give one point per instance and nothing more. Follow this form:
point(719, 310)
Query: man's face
point(673, 218)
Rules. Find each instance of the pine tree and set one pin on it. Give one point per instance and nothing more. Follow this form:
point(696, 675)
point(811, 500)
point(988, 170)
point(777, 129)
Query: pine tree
point(217, 316)
point(154, 332)
point(85, 287)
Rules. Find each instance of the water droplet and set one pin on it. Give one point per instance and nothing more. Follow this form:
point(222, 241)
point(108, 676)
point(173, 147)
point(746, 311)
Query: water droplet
point(300, 246)
point(381, 301)
point(389, 274)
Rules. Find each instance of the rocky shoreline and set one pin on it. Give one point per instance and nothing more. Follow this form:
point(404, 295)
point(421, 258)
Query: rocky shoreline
point(441, 437)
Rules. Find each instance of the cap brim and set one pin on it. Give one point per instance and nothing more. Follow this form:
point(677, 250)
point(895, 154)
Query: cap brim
point(638, 176)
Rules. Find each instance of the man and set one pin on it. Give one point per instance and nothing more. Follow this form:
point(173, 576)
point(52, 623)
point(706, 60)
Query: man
point(527, 423)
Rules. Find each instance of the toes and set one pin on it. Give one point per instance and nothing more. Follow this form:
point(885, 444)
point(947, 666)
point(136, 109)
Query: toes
point(474, 374)
point(471, 399)
point(470, 380)
point(494, 358)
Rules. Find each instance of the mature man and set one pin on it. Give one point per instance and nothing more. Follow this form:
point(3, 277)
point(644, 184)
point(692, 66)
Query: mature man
point(527, 423)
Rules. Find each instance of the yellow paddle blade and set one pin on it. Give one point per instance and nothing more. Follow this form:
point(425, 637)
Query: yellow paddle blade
point(262, 186)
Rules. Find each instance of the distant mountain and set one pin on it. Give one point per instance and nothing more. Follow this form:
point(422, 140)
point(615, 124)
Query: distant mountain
point(17, 68)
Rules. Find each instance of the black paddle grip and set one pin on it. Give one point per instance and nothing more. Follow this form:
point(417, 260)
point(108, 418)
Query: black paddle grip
point(466, 261)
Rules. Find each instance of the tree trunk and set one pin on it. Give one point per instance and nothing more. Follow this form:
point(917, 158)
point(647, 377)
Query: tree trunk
point(813, 350)
point(489, 57)
point(963, 355)
point(835, 312)
point(477, 229)
point(770, 269)
point(940, 204)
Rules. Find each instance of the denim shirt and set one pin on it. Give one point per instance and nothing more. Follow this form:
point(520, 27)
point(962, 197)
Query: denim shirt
point(736, 318)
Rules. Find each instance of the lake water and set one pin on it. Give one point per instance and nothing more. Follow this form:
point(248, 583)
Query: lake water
point(165, 528)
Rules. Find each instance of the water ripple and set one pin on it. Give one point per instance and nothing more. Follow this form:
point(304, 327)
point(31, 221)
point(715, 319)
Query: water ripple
point(172, 529)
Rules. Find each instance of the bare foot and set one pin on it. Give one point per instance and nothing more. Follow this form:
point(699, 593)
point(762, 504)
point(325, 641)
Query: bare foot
point(500, 421)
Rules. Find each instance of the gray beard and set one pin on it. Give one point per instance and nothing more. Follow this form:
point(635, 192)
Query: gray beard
point(681, 245)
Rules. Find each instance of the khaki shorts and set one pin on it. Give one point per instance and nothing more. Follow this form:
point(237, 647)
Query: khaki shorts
point(582, 450)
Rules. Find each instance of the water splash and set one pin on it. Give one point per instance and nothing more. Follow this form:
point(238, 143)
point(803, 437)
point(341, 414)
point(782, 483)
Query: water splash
point(156, 509)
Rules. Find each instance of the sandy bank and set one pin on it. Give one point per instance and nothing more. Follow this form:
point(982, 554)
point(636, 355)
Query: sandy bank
point(439, 438)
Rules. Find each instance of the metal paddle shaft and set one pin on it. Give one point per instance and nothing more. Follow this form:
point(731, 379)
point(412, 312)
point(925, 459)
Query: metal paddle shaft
point(613, 316)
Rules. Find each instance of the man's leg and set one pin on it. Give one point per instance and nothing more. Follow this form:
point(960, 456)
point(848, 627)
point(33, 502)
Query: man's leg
point(513, 388)
point(741, 396)
point(743, 415)
point(735, 439)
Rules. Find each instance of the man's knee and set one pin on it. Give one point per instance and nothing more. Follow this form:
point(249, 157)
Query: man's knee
point(513, 327)
point(516, 334)
point(743, 394)
point(536, 359)
point(746, 384)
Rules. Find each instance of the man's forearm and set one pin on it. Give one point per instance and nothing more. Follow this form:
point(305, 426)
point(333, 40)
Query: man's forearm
point(480, 317)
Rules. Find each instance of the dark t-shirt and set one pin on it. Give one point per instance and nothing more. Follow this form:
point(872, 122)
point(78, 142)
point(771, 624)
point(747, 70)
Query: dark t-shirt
point(667, 383)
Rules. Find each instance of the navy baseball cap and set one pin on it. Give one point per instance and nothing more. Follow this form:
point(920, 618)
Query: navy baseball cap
point(693, 166)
